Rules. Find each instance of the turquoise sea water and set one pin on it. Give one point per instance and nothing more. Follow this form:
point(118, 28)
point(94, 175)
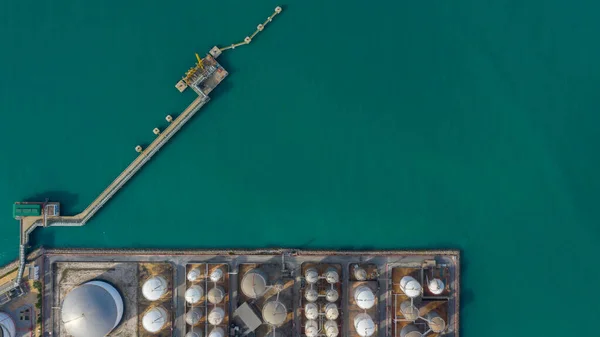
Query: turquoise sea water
point(354, 125)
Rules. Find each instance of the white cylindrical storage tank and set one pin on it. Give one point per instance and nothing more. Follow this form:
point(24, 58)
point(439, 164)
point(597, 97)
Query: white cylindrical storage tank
point(216, 295)
point(193, 275)
point(274, 313)
point(92, 309)
point(436, 286)
point(331, 329)
point(155, 319)
point(410, 330)
point(364, 325)
point(311, 311)
point(193, 294)
point(7, 326)
point(410, 286)
point(435, 322)
point(193, 334)
point(154, 288)
point(216, 275)
point(364, 297)
point(254, 283)
point(217, 332)
point(360, 274)
point(216, 316)
point(193, 316)
point(409, 310)
point(311, 275)
point(331, 311)
point(331, 295)
point(311, 328)
point(311, 295)
point(332, 276)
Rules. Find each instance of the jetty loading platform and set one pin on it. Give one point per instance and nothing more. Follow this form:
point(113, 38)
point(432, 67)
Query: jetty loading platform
point(203, 78)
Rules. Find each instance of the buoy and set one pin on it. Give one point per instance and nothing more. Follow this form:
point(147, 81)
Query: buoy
point(247, 39)
point(138, 149)
point(169, 118)
point(260, 27)
point(278, 9)
point(156, 131)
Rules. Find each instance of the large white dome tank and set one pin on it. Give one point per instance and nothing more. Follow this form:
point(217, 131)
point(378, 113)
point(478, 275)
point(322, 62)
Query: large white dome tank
point(216, 316)
point(7, 326)
point(193, 275)
point(274, 313)
point(364, 325)
point(331, 311)
point(193, 294)
point(311, 275)
point(410, 286)
point(311, 328)
point(193, 316)
point(311, 311)
point(311, 295)
point(154, 288)
point(332, 276)
point(436, 286)
point(216, 295)
point(155, 319)
point(331, 329)
point(254, 283)
point(331, 295)
point(364, 297)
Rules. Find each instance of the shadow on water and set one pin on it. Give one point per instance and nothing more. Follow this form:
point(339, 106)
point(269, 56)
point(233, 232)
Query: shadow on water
point(67, 200)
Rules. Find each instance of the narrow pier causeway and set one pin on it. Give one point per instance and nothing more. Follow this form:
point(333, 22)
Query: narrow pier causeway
point(203, 78)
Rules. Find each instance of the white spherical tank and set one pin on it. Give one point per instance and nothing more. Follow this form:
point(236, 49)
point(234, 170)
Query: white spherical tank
point(435, 322)
point(254, 284)
point(193, 294)
point(331, 311)
point(364, 297)
point(331, 295)
point(7, 325)
point(409, 311)
point(216, 295)
point(436, 286)
point(154, 288)
point(332, 276)
point(311, 311)
point(410, 286)
point(217, 332)
point(311, 328)
point(193, 316)
point(193, 275)
point(216, 316)
point(364, 325)
point(410, 330)
point(311, 295)
point(331, 329)
point(359, 273)
point(155, 319)
point(216, 275)
point(274, 313)
point(311, 275)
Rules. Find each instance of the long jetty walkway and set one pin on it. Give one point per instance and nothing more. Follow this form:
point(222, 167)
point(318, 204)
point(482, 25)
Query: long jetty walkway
point(203, 78)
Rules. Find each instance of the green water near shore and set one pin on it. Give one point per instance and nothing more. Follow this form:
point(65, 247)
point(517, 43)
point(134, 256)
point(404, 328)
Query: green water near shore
point(436, 124)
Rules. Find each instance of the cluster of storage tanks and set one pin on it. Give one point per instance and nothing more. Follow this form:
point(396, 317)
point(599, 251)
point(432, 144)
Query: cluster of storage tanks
point(413, 290)
point(321, 310)
point(157, 317)
point(215, 296)
point(364, 297)
point(254, 285)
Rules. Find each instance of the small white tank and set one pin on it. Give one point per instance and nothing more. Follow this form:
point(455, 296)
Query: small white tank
point(332, 295)
point(311, 275)
point(217, 332)
point(193, 275)
point(332, 276)
point(216, 275)
point(193, 316)
point(364, 325)
point(193, 294)
point(435, 322)
point(311, 328)
point(311, 311)
point(193, 334)
point(216, 316)
point(410, 330)
point(216, 295)
point(410, 286)
point(331, 311)
point(331, 329)
point(359, 273)
point(311, 295)
point(409, 311)
point(436, 286)
point(364, 297)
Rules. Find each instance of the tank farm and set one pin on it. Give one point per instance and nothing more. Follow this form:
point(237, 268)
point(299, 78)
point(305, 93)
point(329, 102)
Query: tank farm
point(217, 293)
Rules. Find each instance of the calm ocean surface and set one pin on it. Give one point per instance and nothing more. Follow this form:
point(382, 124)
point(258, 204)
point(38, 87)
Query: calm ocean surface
point(352, 125)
